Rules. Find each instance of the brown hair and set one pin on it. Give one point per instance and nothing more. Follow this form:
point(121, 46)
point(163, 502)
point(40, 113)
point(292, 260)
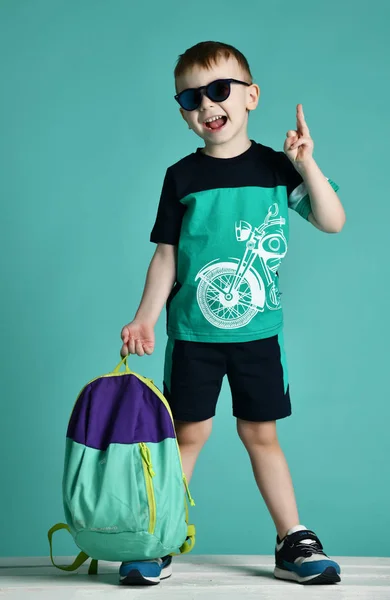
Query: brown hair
point(205, 54)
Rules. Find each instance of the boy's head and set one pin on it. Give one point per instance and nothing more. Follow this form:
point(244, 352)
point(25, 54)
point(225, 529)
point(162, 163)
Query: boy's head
point(204, 64)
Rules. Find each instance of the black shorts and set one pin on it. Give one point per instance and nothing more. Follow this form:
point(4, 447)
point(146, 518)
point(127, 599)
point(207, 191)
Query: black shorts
point(256, 372)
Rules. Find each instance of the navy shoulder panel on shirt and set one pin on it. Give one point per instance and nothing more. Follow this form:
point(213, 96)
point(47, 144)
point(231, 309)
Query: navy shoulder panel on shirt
point(259, 166)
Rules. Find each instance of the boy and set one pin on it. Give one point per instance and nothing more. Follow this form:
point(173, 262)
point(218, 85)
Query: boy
point(231, 199)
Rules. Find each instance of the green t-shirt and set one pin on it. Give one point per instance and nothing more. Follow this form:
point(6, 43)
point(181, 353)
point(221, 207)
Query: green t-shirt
point(229, 219)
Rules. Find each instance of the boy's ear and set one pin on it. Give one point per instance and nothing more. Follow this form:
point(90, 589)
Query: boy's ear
point(253, 96)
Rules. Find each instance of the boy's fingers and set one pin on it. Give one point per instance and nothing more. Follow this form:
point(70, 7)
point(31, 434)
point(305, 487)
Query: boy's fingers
point(124, 350)
point(139, 348)
point(292, 137)
point(148, 348)
point(290, 143)
point(300, 142)
point(125, 335)
point(131, 346)
point(301, 122)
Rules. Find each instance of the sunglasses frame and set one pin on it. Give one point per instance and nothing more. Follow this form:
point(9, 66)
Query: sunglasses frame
point(204, 89)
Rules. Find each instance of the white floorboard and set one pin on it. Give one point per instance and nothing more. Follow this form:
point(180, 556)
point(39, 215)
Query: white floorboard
point(194, 578)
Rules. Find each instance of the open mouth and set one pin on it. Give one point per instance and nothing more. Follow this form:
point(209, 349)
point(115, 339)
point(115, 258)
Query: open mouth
point(215, 123)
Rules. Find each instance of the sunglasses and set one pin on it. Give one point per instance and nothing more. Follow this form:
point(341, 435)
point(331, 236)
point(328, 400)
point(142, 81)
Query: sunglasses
point(216, 91)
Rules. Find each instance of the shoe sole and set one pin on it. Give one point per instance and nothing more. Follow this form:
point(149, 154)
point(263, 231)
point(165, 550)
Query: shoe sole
point(328, 576)
point(135, 577)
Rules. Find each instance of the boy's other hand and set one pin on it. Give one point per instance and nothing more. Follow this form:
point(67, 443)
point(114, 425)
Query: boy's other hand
point(137, 338)
point(299, 145)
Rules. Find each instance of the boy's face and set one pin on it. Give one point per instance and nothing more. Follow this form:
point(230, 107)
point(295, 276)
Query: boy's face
point(233, 110)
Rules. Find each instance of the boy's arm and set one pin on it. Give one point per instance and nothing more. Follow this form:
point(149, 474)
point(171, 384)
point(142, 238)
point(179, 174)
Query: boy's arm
point(138, 336)
point(327, 211)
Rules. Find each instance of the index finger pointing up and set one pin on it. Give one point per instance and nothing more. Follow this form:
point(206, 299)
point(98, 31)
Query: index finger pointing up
point(301, 123)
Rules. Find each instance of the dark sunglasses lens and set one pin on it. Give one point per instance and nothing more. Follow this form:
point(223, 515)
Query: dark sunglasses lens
point(219, 90)
point(190, 99)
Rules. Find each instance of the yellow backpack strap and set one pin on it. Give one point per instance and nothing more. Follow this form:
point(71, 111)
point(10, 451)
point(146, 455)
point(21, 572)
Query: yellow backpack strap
point(93, 567)
point(80, 559)
point(189, 544)
point(190, 539)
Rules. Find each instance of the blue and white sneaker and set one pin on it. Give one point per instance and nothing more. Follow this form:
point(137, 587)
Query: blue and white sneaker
point(145, 572)
point(300, 557)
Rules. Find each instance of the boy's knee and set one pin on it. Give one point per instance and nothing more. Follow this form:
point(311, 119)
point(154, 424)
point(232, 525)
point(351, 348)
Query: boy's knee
point(193, 434)
point(257, 434)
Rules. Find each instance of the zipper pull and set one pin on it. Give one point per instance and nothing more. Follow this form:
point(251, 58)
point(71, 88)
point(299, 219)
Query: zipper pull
point(146, 455)
point(190, 498)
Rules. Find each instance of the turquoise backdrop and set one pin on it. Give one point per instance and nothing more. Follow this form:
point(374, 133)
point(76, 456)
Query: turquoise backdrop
point(88, 126)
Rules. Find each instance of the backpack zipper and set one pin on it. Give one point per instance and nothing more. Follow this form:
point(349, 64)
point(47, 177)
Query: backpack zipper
point(150, 383)
point(149, 474)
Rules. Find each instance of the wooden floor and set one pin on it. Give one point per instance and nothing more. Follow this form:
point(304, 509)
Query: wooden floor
point(194, 578)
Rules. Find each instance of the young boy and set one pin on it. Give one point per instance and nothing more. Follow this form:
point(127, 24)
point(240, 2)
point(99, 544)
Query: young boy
point(221, 233)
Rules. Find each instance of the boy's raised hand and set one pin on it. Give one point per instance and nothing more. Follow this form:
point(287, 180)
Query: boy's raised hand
point(299, 145)
point(137, 338)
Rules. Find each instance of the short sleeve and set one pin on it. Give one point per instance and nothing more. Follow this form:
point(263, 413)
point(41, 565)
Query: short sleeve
point(298, 197)
point(170, 212)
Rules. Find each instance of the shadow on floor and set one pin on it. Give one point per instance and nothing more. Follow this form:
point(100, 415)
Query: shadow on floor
point(253, 571)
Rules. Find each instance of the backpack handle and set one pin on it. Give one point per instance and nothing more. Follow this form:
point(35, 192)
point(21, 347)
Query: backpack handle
point(123, 363)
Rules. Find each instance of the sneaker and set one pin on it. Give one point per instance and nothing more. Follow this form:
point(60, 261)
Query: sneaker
point(300, 557)
point(145, 572)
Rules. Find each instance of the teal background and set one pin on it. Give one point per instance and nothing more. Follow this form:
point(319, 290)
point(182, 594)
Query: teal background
point(88, 127)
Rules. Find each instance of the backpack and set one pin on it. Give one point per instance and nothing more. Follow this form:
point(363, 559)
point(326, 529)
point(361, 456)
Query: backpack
point(123, 483)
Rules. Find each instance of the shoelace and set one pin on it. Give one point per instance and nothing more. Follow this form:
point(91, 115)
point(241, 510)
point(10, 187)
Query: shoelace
point(309, 549)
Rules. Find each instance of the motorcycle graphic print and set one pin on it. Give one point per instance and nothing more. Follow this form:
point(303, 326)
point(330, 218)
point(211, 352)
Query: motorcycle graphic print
point(231, 293)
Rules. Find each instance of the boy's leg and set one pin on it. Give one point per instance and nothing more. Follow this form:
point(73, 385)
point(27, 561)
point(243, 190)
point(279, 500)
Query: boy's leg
point(191, 438)
point(271, 472)
point(193, 376)
point(299, 553)
point(258, 379)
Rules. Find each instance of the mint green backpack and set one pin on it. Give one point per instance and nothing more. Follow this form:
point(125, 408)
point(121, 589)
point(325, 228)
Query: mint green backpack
point(123, 483)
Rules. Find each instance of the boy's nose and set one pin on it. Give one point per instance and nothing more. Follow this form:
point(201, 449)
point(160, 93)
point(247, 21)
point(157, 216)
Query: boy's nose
point(206, 102)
